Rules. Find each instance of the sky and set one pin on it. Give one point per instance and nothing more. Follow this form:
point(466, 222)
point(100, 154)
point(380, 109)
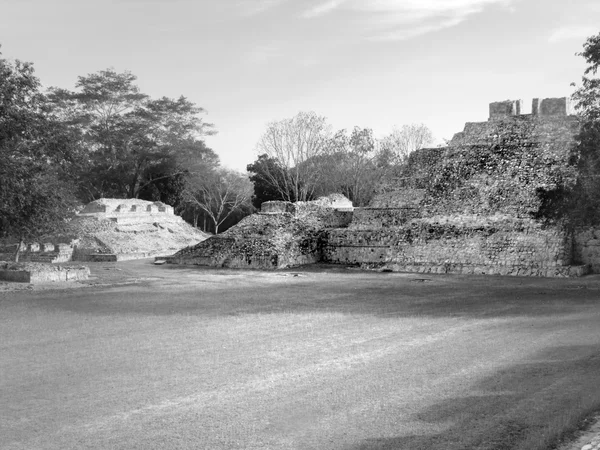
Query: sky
point(368, 63)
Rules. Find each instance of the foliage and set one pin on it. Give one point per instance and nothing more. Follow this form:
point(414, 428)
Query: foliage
point(220, 195)
point(585, 198)
point(36, 154)
point(401, 142)
point(295, 144)
point(350, 166)
point(267, 176)
point(127, 137)
point(302, 160)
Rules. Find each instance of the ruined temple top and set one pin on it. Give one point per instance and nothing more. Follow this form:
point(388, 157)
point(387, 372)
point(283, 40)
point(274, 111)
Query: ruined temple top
point(114, 207)
point(545, 107)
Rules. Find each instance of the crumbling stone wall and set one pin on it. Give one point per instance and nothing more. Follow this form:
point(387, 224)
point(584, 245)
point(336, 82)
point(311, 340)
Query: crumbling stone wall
point(586, 247)
point(282, 235)
point(120, 209)
point(41, 273)
point(505, 247)
point(480, 205)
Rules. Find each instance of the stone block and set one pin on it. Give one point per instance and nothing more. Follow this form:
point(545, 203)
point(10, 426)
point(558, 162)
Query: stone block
point(277, 207)
point(555, 107)
point(535, 106)
point(48, 247)
point(507, 108)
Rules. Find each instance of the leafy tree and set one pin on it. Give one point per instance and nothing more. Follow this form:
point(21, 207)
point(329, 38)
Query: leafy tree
point(168, 180)
point(295, 145)
point(586, 201)
point(36, 153)
point(401, 142)
point(128, 136)
point(220, 194)
point(262, 171)
point(350, 166)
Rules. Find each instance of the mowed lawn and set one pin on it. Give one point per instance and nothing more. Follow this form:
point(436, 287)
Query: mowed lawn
point(308, 359)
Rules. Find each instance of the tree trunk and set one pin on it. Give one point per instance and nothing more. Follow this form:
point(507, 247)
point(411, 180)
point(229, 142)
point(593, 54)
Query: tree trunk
point(18, 250)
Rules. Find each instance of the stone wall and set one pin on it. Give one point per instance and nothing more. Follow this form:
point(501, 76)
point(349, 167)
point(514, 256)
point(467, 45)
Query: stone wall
point(41, 273)
point(457, 245)
point(127, 210)
point(586, 247)
point(117, 206)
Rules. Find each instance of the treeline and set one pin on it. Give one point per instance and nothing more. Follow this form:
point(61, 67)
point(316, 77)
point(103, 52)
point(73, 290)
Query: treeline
point(302, 158)
point(105, 138)
point(60, 148)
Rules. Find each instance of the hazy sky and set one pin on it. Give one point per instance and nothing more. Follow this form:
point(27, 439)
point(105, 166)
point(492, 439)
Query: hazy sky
point(370, 63)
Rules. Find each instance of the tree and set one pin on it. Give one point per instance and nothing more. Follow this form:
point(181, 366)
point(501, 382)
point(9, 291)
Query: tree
point(401, 142)
point(168, 180)
point(221, 194)
point(36, 154)
point(295, 144)
point(349, 165)
point(587, 96)
point(262, 171)
point(127, 135)
point(585, 203)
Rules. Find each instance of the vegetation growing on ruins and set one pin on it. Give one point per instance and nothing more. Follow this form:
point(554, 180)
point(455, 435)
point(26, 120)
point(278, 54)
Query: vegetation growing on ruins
point(465, 178)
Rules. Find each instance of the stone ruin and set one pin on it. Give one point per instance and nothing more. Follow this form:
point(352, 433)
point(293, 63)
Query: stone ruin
point(124, 210)
point(481, 205)
point(114, 230)
point(282, 234)
point(476, 206)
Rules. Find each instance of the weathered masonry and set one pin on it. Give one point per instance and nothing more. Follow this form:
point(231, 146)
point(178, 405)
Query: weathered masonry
point(476, 206)
point(282, 235)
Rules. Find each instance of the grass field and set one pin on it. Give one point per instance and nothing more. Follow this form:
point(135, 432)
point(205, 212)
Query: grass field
point(311, 359)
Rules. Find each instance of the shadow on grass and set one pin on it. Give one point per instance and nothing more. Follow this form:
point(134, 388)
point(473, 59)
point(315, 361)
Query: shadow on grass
point(529, 406)
point(374, 294)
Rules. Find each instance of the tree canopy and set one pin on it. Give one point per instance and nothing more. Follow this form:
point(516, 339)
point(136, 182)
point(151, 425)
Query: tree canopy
point(300, 159)
point(37, 155)
point(129, 139)
point(585, 204)
point(295, 143)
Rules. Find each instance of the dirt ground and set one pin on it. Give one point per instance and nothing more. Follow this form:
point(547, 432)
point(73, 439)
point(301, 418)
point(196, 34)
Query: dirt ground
point(145, 356)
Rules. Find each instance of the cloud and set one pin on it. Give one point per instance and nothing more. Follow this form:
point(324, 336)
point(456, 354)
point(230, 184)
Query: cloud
point(414, 31)
point(571, 33)
point(403, 19)
point(254, 7)
point(262, 54)
point(323, 8)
